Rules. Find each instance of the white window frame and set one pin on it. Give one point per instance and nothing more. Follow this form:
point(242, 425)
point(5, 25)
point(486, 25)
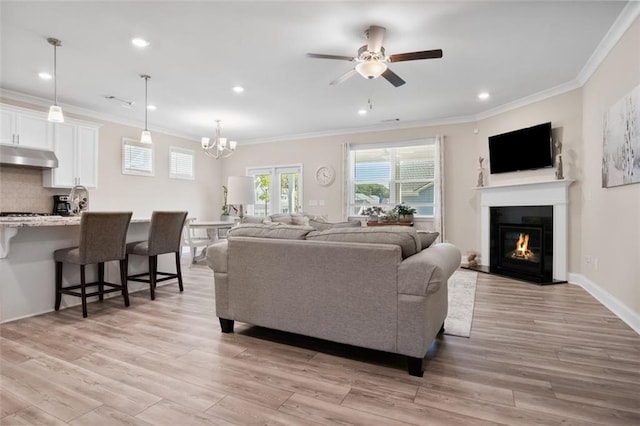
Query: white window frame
point(129, 171)
point(392, 180)
point(189, 152)
point(274, 187)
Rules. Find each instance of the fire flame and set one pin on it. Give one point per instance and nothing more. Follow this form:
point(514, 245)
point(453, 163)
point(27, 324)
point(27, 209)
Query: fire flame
point(522, 247)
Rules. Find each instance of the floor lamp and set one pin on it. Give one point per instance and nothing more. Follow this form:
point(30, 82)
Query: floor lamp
point(240, 192)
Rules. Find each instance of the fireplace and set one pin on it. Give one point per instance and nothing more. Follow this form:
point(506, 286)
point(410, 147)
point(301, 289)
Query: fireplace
point(553, 194)
point(521, 242)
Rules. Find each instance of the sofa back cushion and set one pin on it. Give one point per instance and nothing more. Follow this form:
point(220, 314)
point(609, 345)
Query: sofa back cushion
point(402, 236)
point(427, 238)
point(273, 230)
point(323, 226)
point(252, 219)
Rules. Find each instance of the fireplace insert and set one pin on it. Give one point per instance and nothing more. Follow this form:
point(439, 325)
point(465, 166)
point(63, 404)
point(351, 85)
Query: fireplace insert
point(521, 241)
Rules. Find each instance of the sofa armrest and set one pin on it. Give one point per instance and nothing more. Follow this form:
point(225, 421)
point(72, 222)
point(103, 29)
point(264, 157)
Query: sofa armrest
point(217, 257)
point(424, 272)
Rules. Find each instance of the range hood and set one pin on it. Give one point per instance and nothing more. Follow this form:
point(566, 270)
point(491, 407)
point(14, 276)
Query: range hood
point(28, 157)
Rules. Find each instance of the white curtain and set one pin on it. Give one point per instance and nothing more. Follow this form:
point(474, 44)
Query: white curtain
point(346, 179)
point(438, 214)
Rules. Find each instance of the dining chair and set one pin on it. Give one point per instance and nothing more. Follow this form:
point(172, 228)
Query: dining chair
point(194, 241)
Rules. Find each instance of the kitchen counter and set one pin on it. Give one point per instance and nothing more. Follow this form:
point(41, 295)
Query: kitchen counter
point(27, 271)
point(9, 226)
point(20, 222)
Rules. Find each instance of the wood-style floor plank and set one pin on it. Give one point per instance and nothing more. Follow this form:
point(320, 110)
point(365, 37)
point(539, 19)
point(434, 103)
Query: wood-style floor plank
point(537, 355)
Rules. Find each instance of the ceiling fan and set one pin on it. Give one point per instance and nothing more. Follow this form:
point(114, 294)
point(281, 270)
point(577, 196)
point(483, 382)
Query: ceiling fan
point(372, 61)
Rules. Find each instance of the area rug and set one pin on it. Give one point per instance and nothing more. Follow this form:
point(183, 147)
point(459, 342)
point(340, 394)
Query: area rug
point(462, 297)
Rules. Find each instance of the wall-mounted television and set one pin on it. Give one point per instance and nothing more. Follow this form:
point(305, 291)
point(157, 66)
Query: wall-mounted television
point(523, 149)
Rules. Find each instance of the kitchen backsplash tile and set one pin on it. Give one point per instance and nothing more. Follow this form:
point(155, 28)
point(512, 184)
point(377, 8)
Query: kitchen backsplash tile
point(21, 190)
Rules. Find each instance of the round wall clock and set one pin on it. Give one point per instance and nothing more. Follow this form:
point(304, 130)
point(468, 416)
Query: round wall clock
point(325, 175)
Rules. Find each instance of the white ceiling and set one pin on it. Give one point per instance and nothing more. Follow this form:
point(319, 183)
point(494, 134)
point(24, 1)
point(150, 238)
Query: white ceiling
point(199, 50)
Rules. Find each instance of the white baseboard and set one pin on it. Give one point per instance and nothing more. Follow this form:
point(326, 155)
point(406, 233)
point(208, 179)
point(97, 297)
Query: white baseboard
point(631, 318)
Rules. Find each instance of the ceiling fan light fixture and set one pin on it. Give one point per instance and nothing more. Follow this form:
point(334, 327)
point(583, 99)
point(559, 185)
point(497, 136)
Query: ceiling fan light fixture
point(371, 69)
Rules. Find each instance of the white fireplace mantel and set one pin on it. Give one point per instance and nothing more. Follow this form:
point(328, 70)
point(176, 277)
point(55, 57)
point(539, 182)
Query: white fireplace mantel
point(550, 193)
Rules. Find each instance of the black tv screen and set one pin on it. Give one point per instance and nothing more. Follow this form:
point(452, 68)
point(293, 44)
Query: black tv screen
point(523, 149)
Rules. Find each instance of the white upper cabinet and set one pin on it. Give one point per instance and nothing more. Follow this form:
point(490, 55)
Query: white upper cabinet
point(25, 127)
point(76, 146)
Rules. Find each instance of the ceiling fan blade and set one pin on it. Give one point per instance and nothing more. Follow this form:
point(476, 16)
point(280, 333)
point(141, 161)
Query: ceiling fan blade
point(375, 35)
point(412, 56)
point(393, 78)
point(321, 56)
point(343, 77)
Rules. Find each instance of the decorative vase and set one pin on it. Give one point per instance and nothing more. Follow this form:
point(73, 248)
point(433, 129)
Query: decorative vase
point(405, 218)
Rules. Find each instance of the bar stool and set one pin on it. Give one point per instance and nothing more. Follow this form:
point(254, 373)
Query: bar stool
point(165, 234)
point(102, 239)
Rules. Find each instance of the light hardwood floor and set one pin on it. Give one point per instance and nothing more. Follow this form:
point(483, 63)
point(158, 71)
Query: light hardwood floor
point(537, 355)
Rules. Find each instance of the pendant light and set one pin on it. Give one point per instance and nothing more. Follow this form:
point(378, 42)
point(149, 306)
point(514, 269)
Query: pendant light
point(145, 137)
point(55, 112)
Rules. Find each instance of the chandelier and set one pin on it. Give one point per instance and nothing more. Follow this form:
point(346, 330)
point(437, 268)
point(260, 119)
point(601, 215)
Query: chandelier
point(218, 148)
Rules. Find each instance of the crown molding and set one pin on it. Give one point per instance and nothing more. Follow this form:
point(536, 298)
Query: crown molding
point(396, 125)
point(619, 27)
point(527, 100)
point(84, 112)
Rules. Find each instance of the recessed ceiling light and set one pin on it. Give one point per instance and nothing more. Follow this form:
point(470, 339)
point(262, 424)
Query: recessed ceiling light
point(139, 42)
point(362, 112)
point(238, 89)
point(45, 76)
point(483, 96)
point(152, 107)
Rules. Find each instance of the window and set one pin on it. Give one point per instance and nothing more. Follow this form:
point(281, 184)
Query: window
point(181, 163)
point(277, 189)
point(137, 158)
point(388, 174)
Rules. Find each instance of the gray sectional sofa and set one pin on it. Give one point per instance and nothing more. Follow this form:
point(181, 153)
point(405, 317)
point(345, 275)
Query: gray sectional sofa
point(371, 287)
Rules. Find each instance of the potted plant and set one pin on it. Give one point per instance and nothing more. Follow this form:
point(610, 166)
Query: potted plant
point(405, 213)
point(373, 212)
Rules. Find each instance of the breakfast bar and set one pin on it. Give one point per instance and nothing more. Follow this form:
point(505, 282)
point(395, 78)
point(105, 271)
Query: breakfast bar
point(27, 267)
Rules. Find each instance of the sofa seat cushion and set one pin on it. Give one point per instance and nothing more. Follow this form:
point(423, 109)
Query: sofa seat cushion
point(402, 236)
point(272, 230)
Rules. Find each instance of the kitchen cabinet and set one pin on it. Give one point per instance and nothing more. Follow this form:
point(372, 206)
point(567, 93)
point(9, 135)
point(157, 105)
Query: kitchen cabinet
point(75, 143)
point(25, 127)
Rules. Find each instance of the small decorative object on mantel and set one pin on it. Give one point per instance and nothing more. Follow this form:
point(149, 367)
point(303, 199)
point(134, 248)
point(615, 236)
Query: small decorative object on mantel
point(480, 183)
point(559, 174)
point(405, 213)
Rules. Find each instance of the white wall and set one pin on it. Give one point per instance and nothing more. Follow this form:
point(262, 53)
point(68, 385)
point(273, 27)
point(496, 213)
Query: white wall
point(611, 216)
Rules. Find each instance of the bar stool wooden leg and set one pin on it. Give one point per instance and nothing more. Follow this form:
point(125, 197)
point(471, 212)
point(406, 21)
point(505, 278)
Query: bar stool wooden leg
point(83, 291)
point(123, 281)
point(101, 280)
point(58, 284)
point(152, 277)
point(179, 270)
